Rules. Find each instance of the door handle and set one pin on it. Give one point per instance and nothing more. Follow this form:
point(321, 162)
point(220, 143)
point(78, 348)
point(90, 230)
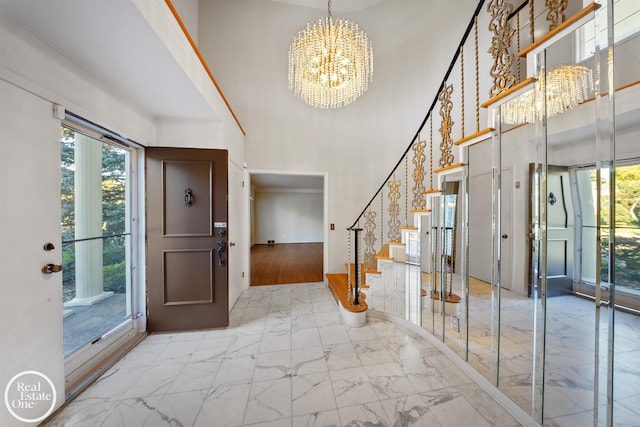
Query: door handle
point(188, 197)
point(51, 268)
point(221, 248)
point(504, 236)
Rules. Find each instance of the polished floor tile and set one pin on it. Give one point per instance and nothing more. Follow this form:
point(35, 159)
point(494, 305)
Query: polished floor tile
point(285, 360)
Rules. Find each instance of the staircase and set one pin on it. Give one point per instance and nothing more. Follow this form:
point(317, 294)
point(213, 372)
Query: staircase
point(406, 261)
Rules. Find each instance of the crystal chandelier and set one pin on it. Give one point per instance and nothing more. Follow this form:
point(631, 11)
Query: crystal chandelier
point(566, 87)
point(330, 62)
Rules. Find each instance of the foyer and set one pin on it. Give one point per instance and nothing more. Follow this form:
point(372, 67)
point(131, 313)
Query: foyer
point(285, 360)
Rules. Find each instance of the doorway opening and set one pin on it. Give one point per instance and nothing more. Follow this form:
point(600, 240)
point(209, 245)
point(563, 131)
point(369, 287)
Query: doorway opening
point(99, 211)
point(288, 228)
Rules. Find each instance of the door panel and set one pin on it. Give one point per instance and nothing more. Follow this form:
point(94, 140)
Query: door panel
point(178, 178)
point(30, 300)
point(480, 226)
point(194, 267)
point(187, 284)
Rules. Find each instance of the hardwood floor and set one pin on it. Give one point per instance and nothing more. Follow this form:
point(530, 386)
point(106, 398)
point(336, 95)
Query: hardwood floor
point(286, 263)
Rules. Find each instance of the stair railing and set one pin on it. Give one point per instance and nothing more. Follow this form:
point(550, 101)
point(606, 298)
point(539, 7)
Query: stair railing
point(443, 84)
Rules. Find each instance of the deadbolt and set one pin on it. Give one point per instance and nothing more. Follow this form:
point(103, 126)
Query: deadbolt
point(232, 244)
point(48, 247)
point(51, 268)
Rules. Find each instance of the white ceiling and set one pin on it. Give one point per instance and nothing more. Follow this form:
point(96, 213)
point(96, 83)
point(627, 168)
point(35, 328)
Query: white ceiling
point(113, 42)
point(337, 6)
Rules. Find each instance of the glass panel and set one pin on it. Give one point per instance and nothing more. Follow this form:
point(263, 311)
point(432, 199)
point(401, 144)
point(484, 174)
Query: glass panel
point(436, 302)
point(626, 344)
point(96, 238)
point(572, 322)
point(516, 156)
point(427, 264)
point(627, 252)
point(453, 286)
point(482, 298)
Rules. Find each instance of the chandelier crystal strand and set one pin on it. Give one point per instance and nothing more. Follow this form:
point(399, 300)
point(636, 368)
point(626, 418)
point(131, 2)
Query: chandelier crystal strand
point(330, 62)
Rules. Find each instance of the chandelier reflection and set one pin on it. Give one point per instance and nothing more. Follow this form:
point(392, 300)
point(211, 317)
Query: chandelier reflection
point(330, 62)
point(566, 87)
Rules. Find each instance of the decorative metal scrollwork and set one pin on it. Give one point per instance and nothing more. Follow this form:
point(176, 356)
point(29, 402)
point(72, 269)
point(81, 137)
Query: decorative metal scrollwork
point(555, 14)
point(503, 78)
point(369, 239)
point(446, 124)
point(418, 189)
point(394, 210)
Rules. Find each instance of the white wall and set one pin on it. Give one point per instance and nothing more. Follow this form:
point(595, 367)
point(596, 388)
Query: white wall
point(44, 76)
point(289, 216)
point(245, 43)
point(189, 11)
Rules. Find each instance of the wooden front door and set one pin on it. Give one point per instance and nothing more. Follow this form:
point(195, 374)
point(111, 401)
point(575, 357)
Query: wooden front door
point(187, 278)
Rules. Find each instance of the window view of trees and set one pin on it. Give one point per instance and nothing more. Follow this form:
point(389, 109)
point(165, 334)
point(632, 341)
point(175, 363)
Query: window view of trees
point(627, 227)
point(627, 237)
point(114, 232)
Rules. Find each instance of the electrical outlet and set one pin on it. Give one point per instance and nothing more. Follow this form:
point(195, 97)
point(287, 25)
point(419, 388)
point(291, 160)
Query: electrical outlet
point(455, 323)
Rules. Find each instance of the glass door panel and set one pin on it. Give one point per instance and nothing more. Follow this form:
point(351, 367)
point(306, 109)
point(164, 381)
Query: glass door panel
point(96, 238)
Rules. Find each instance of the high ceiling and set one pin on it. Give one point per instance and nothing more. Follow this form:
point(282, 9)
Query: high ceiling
point(337, 6)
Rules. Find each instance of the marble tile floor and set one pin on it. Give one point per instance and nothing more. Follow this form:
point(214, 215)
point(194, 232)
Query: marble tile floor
point(285, 360)
point(570, 359)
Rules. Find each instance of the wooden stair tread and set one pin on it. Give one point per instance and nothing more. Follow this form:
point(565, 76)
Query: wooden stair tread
point(512, 89)
point(383, 253)
point(432, 191)
point(447, 168)
point(453, 298)
point(567, 23)
point(408, 227)
point(339, 287)
point(477, 135)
